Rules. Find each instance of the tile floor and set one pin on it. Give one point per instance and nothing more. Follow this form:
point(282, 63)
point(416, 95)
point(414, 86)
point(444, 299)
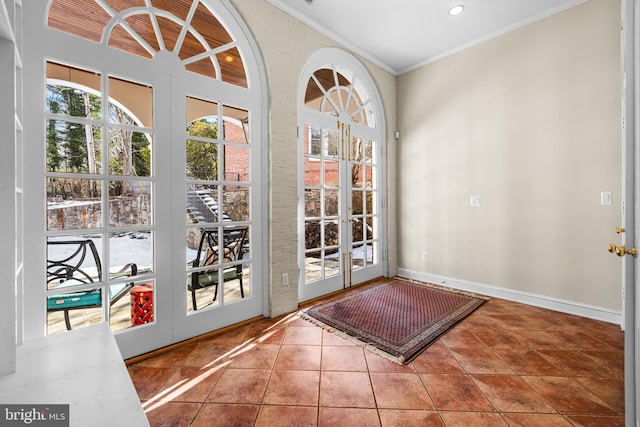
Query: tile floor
point(507, 364)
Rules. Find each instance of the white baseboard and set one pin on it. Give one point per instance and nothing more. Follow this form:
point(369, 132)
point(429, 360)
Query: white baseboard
point(563, 306)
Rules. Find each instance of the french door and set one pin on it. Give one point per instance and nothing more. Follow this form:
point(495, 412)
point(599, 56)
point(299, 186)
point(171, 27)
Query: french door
point(145, 134)
point(342, 205)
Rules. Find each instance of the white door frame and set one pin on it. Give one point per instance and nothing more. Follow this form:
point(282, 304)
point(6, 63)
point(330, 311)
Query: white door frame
point(630, 209)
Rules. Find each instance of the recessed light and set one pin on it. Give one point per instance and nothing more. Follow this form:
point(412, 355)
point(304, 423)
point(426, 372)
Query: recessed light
point(456, 10)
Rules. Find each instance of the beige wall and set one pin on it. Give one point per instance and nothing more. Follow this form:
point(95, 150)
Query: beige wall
point(285, 45)
point(530, 122)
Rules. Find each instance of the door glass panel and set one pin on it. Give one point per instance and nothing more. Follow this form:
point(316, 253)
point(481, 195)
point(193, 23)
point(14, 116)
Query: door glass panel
point(331, 173)
point(129, 252)
point(312, 202)
point(235, 202)
point(236, 160)
point(138, 107)
point(331, 264)
point(236, 124)
point(331, 202)
point(129, 152)
point(218, 190)
point(73, 203)
point(74, 148)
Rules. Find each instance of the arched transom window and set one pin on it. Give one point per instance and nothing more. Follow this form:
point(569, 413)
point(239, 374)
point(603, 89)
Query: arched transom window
point(150, 27)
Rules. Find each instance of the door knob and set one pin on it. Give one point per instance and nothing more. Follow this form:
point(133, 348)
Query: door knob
point(619, 230)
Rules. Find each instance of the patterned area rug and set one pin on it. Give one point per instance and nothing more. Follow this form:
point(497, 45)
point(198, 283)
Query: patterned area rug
point(397, 319)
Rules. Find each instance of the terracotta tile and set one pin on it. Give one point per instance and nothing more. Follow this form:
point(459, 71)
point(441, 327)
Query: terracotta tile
point(540, 340)
point(478, 320)
point(611, 334)
point(510, 393)
point(480, 361)
point(289, 387)
point(301, 357)
point(264, 335)
point(611, 362)
point(496, 306)
point(303, 336)
point(189, 385)
point(569, 396)
point(342, 358)
point(298, 416)
point(177, 414)
point(455, 393)
point(147, 381)
point(580, 341)
point(257, 356)
point(498, 337)
point(346, 389)
point(170, 359)
point(611, 390)
point(300, 322)
point(378, 363)
point(436, 360)
point(460, 338)
point(512, 321)
point(536, 420)
point(240, 386)
point(475, 419)
point(209, 354)
point(409, 418)
point(223, 415)
point(577, 363)
point(528, 362)
point(596, 421)
point(330, 417)
point(400, 391)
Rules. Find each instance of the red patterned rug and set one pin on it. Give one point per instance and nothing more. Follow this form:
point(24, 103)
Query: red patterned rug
point(397, 319)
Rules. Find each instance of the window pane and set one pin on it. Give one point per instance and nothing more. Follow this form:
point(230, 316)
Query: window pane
point(73, 147)
point(73, 203)
point(236, 202)
point(202, 160)
point(331, 144)
point(312, 202)
point(236, 124)
point(236, 164)
point(130, 253)
point(129, 153)
point(73, 260)
point(129, 203)
point(198, 109)
point(130, 103)
point(202, 204)
point(73, 92)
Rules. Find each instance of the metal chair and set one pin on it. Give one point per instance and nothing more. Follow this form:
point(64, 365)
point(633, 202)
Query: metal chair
point(70, 270)
point(209, 254)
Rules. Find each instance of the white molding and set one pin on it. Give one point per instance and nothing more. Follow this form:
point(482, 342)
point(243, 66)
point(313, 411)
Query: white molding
point(542, 301)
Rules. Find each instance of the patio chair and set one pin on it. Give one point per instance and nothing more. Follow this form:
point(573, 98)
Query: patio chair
point(68, 270)
point(234, 240)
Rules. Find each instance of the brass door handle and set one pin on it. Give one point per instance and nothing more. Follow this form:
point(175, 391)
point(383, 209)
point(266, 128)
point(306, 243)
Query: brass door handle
point(619, 230)
point(622, 251)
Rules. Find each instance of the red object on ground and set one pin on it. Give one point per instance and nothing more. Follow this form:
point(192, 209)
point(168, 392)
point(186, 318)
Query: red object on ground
point(141, 304)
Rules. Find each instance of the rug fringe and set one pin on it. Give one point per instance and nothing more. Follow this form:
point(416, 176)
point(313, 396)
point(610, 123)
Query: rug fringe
point(395, 359)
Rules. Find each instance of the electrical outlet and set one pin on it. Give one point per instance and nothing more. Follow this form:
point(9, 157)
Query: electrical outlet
point(285, 279)
point(425, 256)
